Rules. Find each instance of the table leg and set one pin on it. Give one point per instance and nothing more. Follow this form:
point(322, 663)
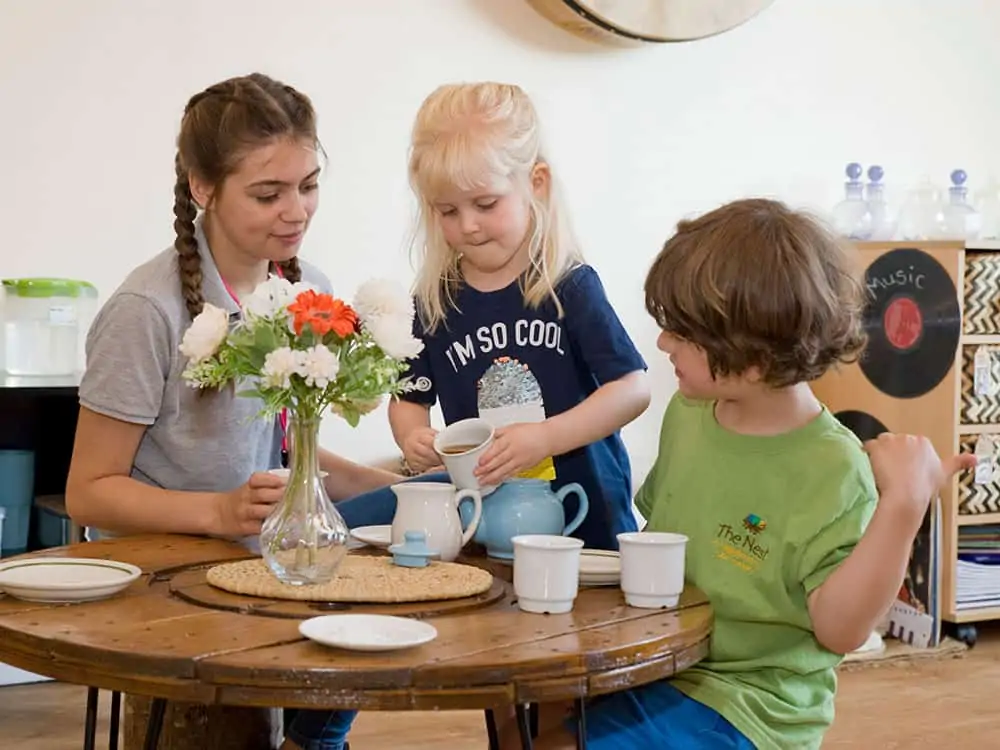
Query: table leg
point(491, 730)
point(581, 724)
point(90, 723)
point(523, 725)
point(116, 706)
point(156, 711)
point(533, 719)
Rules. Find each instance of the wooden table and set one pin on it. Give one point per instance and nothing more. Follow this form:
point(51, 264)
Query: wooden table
point(171, 636)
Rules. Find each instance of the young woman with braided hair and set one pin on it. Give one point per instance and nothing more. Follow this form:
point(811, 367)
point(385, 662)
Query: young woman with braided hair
point(151, 453)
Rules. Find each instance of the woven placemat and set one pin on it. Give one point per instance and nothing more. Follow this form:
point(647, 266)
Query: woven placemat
point(360, 578)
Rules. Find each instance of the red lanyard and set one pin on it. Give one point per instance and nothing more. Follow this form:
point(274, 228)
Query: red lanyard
point(283, 416)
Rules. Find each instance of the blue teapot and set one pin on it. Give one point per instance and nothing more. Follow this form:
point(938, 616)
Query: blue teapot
point(523, 506)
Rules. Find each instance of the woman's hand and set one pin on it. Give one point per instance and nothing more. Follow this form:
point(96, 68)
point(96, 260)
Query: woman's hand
point(242, 511)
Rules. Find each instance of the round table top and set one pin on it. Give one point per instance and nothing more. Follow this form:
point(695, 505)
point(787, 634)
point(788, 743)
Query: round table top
point(155, 639)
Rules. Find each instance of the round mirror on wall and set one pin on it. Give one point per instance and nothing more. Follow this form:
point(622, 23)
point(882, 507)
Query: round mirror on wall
point(638, 21)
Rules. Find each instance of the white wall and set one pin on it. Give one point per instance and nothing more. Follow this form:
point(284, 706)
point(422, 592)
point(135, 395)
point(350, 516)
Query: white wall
point(91, 94)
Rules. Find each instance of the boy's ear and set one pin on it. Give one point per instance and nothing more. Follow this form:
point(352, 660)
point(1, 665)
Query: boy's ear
point(541, 180)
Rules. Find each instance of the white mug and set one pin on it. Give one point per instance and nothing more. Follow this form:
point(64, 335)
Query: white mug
point(546, 572)
point(652, 564)
point(460, 445)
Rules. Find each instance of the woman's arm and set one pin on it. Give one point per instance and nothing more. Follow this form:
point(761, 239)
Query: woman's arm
point(346, 479)
point(100, 492)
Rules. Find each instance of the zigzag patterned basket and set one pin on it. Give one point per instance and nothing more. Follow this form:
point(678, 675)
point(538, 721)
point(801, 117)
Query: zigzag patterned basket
point(981, 313)
point(973, 498)
point(979, 409)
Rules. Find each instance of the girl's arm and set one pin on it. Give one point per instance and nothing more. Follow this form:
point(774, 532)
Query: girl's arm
point(605, 411)
point(608, 409)
point(412, 431)
point(602, 348)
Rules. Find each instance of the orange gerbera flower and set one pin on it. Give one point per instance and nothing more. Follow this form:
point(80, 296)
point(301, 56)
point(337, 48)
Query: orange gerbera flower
point(322, 313)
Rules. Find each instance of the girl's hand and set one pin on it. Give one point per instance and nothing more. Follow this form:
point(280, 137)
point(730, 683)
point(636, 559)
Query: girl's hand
point(515, 448)
point(418, 450)
point(243, 510)
point(908, 473)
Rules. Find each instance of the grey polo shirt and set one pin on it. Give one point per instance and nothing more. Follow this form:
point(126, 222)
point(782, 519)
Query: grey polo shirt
point(208, 443)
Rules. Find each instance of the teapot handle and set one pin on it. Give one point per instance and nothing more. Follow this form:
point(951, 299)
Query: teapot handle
point(477, 513)
point(581, 513)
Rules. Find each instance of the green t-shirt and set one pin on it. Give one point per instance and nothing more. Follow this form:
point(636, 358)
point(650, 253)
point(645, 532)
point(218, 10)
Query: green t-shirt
point(767, 520)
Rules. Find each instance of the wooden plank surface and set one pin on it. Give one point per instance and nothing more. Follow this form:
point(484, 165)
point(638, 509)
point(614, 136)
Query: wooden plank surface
point(148, 641)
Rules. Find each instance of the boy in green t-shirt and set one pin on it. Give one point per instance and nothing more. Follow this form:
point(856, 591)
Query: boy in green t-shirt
point(798, 553)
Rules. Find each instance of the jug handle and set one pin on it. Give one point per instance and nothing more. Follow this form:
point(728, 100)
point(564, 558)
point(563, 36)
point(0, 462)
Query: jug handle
point(581, 512)
point(477, 513)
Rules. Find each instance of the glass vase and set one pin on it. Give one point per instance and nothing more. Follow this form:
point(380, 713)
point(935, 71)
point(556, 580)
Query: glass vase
point(304, 539)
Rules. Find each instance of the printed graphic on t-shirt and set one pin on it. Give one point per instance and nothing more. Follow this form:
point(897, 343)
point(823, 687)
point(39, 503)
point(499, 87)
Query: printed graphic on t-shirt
point(490, 340)
point(508, 393)
point(744, 544)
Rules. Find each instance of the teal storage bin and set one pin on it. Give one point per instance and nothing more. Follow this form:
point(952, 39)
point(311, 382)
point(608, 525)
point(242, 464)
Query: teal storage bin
point(17, 486)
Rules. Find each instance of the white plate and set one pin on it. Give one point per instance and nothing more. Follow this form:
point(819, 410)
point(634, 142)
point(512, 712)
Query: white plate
point(65, 579)
point(376, 536)
point(600, 563)
point(368, 632)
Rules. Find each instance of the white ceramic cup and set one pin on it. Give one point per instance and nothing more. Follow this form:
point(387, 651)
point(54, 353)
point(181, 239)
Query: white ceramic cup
point(652, 568)
point(546, 572)
point(474, 436)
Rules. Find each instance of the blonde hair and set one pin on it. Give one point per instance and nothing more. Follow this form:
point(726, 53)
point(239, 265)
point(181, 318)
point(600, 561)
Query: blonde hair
point(466, 136)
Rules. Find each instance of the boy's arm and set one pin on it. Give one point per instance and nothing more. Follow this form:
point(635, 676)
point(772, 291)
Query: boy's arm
point(848, 605)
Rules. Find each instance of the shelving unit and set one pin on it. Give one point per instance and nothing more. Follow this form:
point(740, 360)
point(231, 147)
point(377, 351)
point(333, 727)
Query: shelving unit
point(950, 413)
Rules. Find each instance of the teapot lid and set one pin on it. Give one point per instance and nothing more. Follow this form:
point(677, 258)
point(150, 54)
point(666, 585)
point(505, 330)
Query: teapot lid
point(413, 552)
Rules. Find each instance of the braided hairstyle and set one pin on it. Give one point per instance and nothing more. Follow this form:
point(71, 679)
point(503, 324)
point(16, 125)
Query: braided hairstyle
point(219, 126)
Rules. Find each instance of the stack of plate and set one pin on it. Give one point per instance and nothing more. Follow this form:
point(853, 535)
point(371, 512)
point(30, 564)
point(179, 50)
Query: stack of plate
point(599, 568)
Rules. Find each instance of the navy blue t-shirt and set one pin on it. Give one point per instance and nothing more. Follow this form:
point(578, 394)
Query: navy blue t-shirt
point(496, 358)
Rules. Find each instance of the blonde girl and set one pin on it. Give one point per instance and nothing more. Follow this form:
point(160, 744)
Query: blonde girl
point(517, 327)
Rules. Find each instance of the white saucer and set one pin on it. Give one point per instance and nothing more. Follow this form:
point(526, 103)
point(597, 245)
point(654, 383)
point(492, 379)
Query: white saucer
point(368, 632)
point(65, 579)
point(376, 536)
point(598, 563)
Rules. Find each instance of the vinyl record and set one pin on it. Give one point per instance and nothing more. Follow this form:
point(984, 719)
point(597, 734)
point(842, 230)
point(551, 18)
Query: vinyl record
point(861, 423)
point(913, 323)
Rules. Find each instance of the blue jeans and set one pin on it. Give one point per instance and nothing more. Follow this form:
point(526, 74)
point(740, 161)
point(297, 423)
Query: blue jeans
point(657, 715)
point(313, 729)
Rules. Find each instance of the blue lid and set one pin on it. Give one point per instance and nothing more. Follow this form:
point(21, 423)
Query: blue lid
point(413, 552)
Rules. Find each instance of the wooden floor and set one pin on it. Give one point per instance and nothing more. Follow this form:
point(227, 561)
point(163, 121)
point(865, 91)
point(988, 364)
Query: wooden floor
point(933, 704)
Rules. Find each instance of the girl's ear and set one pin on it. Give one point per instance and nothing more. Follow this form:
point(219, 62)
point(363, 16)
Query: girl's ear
point(201, 191)
point(541, 179)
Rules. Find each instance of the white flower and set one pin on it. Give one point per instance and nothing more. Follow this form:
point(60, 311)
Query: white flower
point(280, 365)
point(379, 298)
point(319, 366)
point(394, 336)
point(206, 334)
point(273, 296)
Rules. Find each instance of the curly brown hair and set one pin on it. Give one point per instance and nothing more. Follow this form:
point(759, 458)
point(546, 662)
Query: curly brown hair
point(756, 284)
point(220, 125)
